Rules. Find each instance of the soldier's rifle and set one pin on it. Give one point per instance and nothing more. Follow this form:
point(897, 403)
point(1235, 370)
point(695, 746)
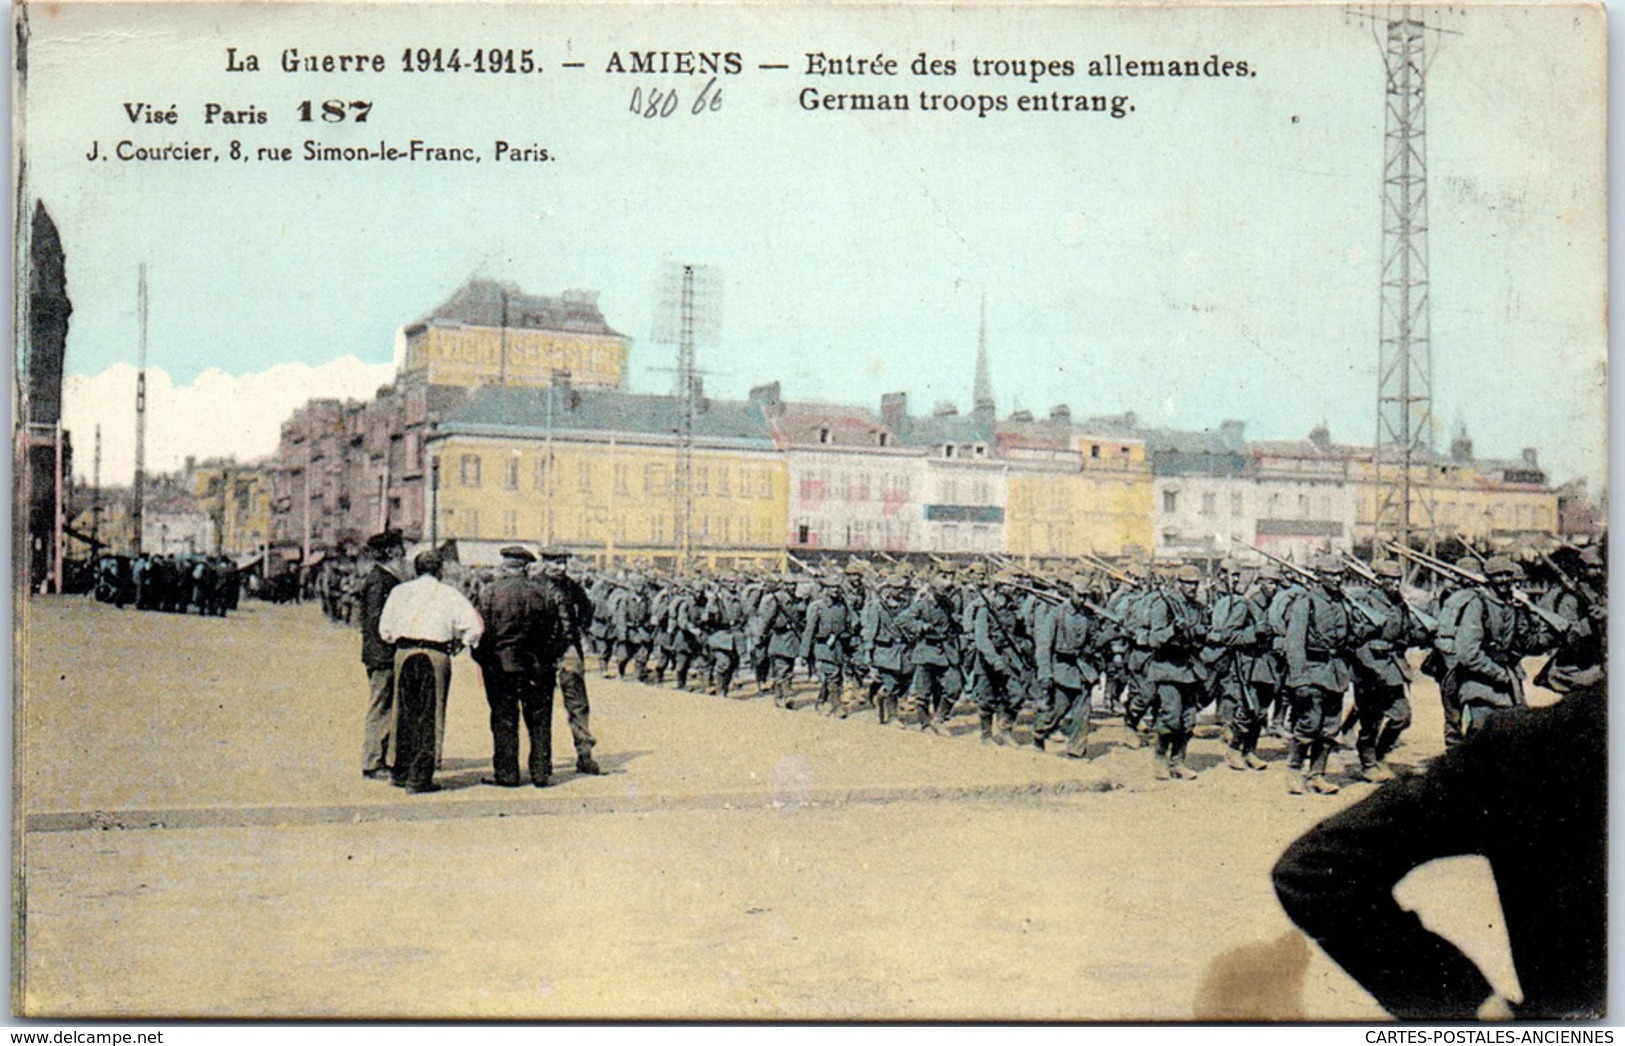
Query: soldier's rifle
point(1300, 573)
point(1105, 568)
point(1556, 622)
point(1009, 641)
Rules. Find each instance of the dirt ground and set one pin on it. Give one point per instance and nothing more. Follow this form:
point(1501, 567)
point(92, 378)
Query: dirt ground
point(196, 840)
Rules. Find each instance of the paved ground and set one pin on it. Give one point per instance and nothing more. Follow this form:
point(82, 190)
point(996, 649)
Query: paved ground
point(198, 841)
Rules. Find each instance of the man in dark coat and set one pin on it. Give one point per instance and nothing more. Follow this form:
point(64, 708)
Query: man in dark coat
point(1528, 790)
point(515, 655)
point(386, 554)
point(577, 616)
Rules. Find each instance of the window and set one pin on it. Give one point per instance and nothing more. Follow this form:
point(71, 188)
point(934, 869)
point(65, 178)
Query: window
point(654, 479)
point(541, 474)
point(1094, 450)
point(1210, 504)
point(468, 470)
point(1235, 503)
point(823, 435)
point(702, 479)
point(981, 450)
point(510, 524)
point(447, 530)
point(746, 531)
point(1170, 501)
point(885, 439)
point(584, 477)
point(1303, 506)
point(510, 474)
point(948, 450)
point(803, 534)
point(724, 488)
point(472, 529)
point(764, 483)
point(657, 530)
point(621, 480)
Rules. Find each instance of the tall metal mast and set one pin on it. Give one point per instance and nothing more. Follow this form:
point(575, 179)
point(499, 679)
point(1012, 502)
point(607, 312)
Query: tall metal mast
point(1404, 442)
point(138, 495)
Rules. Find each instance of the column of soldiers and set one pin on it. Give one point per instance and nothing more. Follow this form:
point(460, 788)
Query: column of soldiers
point(1318, 655)
point(177, 584)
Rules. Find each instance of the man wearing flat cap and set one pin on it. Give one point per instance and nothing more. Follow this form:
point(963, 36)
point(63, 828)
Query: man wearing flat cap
point(577, 608)
point(522, 623)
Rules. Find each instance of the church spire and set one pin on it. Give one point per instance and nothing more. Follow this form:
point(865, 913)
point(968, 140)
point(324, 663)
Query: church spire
point(982, 392)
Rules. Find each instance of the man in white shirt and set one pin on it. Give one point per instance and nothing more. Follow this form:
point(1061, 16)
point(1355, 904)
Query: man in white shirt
point(428, 622)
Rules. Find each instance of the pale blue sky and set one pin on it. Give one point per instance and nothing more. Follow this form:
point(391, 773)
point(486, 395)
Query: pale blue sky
point(1212, 255)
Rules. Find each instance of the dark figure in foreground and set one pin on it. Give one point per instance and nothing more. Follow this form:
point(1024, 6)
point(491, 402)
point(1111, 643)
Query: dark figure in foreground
point(1529, 792)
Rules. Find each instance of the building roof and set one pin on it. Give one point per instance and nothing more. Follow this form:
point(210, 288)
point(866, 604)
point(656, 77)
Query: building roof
point(512, 410)
point(489, 303)
point(829, 425)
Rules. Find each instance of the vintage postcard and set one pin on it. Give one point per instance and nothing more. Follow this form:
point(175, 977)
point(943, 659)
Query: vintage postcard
point(980, 512)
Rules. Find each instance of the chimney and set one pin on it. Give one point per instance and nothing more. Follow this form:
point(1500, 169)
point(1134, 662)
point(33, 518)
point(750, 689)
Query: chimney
point(945, 409)
point(191, 461)
point(1234, 434)
point(894, 412)
point(1021, 416)
point(1321, 436)
point(1061, 414)
point(1531, 457)
point(768, 398)
point(1461, 448)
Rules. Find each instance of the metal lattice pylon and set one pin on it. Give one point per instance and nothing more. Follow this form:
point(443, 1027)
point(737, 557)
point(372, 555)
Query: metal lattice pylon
point(1404, 441)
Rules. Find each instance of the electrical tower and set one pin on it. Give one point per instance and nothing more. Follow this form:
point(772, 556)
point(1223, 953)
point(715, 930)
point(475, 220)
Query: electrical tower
point(1404, 441)
point(138, 494)
point(688, 319)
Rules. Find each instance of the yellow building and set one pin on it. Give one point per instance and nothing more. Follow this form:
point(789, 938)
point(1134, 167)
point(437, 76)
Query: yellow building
point(610, 493)
point(492, 333)
point(238, 499)
point(1492, 504)
point(1090, 496)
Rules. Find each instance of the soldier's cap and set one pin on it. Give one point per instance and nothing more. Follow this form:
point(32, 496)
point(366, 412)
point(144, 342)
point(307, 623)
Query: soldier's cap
point(831, 581)
point(1591, 556)
point(1500, 566)
point(1188, 573)
point(555, 553)
point(384, 543)
point(1388, 569)
point(1230, 566)
point(1270, 571)
point(1472, 563)
point(517, 554)
point(1082, 583)
point(1331, 566)
point(853, 567)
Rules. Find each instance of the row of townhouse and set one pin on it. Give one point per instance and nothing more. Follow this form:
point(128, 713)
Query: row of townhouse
point(510, 421)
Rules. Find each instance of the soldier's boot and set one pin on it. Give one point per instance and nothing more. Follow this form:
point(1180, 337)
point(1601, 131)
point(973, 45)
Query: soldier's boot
point(681, 677)
point(1006, 723)
point(1387, 737)
point(987, 728)
point(1250, 754)
point(1235, 759)
point(781, 693)
point(849, 700)
point(884, 709)
point(1364, 770)
point(929, 721)
point(1320, 751)
point(1077, 744)
point(1159, 759)
point(1294, 766)
point(1177, 768)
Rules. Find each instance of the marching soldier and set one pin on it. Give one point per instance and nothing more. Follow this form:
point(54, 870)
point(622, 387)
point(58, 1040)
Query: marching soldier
point(1238, 631)
point(1380, 672)
point(884, 646)
point(1318, 633)
point(784, 618)
point(999, 668)
point(929, 625)
point(1492, 635)
point(1441, 663)
point(630, 628)
point(722, 619)
point(824, 647)
point(1068, 644)
point(1175, 629)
